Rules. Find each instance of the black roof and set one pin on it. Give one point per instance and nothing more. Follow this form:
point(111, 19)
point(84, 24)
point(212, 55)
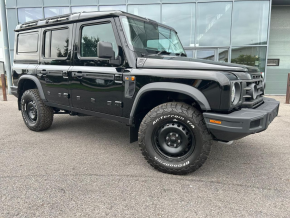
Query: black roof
point(78, 16)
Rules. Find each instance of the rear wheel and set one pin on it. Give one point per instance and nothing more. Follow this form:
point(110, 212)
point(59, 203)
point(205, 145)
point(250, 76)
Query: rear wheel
point(174, 139)
point(36, 115)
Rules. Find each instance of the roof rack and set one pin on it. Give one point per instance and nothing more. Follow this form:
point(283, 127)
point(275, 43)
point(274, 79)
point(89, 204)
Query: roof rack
point(55, 19)
point(74, 16)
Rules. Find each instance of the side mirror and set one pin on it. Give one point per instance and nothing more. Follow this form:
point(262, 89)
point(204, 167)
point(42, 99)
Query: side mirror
point(105, 50)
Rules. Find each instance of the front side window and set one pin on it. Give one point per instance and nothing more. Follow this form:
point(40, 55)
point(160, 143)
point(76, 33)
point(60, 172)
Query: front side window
point(150, 38)
point(27, 43)
point(93, 34)
point(56, 43)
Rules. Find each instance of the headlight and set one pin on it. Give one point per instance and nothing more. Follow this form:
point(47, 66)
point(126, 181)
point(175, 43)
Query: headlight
point(235, 93)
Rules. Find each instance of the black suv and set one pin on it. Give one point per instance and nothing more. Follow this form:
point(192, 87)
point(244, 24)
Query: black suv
point(134, 70)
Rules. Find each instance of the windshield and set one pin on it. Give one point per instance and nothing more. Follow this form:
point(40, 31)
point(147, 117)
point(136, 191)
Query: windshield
point(149, 38)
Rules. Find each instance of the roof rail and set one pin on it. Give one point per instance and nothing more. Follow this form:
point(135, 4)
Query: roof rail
point(28, 24)
point(57, 19)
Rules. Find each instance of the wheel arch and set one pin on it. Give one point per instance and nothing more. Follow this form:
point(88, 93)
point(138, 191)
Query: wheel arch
point(29, 82)
point(185, 90)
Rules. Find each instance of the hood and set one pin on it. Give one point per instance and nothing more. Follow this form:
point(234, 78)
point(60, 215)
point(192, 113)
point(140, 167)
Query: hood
point(170, 62)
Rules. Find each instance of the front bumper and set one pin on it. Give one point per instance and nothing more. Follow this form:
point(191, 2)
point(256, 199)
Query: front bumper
point(244, 122)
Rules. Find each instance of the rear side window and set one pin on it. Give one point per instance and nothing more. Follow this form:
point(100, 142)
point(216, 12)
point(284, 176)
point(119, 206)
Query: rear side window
point(27, 43)
point(56, 43)
point(93, 34)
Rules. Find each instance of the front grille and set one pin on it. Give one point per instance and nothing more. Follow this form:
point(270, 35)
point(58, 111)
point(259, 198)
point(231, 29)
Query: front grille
point(252, 93)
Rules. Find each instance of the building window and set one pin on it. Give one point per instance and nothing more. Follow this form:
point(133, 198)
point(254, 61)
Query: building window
point(113, 7)
point(214, 24)
point(27, 43)
point(29, 14)
point(84, 8)
point(142, 1)
point(149, 11)
point(223, 55)
point(189, 53)
point(91, 35)
point(183, 22)
point(250, 23)
point(252, 56)
point(56, 43)
point(112, 2)
point(205, 54)
point(55, 11)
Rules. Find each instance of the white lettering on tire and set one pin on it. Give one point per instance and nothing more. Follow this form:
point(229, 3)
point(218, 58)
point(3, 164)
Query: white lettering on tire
point(172, 165)
point(190, 123)
point(168, 116)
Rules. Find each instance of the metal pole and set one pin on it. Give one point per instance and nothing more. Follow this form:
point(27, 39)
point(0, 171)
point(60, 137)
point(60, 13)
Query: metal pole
point(288, 90)
point(6, 45)
point(3, 87)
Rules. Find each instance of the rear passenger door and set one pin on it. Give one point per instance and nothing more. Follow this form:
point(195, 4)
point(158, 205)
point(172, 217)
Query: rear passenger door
point(55, 61)
point(96, 83)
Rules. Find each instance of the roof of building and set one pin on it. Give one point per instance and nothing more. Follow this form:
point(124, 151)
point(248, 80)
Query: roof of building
point(78, 16)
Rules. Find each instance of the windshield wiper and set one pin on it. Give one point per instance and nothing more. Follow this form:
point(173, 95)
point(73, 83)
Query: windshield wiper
point(163, 52)
point(181, 54)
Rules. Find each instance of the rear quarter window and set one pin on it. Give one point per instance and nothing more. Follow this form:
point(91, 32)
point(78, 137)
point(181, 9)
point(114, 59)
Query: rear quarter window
point(27, 43)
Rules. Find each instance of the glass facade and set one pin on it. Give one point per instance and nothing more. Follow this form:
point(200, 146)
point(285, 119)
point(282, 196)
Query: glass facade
point(84, 8)
point(184, 22)
point(220, 30)
point(252, 56)
point(250, 28)
point(54, 11)
point(213, 24)
point(29, 14)
point(149, 11)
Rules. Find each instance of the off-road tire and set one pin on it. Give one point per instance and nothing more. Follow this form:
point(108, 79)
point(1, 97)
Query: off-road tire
point(188, 116)
point(44, 113)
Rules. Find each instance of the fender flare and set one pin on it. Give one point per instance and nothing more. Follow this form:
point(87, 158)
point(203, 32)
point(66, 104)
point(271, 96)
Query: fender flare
point(35, 80)
point(197, 95)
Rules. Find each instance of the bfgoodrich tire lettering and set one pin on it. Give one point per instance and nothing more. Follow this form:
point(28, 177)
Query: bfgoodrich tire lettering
point(187, 125)
point(36, 115)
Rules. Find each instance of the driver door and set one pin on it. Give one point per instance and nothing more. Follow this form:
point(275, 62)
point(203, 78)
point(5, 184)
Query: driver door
point(96, 83)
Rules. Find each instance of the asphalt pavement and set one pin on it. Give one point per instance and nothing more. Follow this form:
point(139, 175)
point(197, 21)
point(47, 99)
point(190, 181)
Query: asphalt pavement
point(86, 167)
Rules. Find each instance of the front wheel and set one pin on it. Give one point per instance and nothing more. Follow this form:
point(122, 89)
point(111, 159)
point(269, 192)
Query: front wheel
point(36, 115)
point(174, 139)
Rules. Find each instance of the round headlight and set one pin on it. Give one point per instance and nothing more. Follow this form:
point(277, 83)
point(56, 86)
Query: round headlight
point(236, 93)
point(233, 93)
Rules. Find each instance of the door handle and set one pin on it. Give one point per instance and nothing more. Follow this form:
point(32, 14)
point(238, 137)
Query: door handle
point(42, 73)
point(79, 75)
point(118, 78)
point(64, 74)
